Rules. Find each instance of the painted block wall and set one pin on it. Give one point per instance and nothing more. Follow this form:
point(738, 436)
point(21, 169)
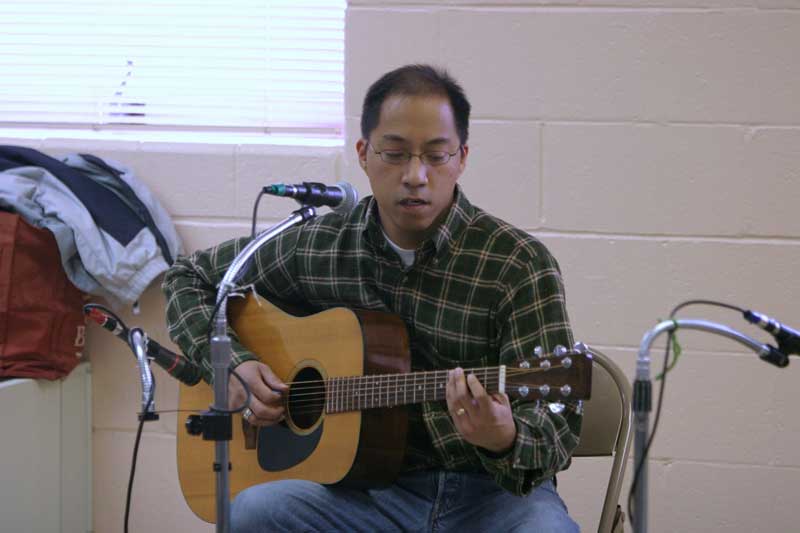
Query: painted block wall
point(653, 145)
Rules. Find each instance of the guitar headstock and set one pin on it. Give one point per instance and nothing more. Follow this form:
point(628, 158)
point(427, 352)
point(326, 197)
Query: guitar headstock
point(563, 375)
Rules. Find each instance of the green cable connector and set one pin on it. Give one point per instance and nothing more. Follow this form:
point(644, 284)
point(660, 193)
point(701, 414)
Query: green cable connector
point(278, 189)
point(676, 352)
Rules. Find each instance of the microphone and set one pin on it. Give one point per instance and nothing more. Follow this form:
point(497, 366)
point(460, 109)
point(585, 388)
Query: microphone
point(176, 365)
point(341, 198)
point(788, 339)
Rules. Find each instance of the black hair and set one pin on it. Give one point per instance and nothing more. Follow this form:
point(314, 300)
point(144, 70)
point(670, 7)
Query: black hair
point(415, 80)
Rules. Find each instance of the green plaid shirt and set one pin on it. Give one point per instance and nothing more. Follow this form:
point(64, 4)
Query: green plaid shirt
point(480, 293)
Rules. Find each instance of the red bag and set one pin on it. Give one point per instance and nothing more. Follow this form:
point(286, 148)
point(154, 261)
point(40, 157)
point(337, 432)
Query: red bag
point(41, 312)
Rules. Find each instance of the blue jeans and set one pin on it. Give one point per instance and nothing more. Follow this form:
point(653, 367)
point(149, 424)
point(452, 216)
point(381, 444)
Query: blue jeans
point(430, 501)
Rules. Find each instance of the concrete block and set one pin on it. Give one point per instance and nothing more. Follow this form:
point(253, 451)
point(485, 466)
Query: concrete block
point(684, 180)
point(627, 65)
point(191, 179)
point(381, 40)
point(157, 503)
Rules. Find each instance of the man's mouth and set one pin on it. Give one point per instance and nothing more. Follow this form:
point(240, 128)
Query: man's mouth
point(411, 202)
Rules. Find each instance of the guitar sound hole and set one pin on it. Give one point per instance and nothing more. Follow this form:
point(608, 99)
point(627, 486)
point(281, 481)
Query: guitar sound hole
point(306, 398)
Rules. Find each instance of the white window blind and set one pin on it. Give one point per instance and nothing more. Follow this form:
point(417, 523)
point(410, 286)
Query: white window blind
point(244, 65)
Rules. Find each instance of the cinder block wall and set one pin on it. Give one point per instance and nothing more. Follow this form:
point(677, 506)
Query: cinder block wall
point(653, 145)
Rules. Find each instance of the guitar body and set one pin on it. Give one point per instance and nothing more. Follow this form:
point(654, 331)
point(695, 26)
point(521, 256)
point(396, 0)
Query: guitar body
point(357, 448)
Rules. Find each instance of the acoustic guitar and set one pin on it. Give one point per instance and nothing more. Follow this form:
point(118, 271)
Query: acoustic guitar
point(349, 375)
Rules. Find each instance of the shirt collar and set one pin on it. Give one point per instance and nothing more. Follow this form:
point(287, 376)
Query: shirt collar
point(449, 232)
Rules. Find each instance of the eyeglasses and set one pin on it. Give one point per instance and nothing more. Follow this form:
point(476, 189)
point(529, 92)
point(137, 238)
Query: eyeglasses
point(434, 158)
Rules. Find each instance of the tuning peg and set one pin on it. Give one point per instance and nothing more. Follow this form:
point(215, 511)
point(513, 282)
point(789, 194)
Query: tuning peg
point(545, 364)
point(580, 347)
point(538, 352)
point(566, 390)
point(524, 364)
point(544, 390)
point(559, 350)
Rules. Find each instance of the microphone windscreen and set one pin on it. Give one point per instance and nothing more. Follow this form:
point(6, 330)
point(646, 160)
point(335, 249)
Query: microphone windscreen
point(350, 198)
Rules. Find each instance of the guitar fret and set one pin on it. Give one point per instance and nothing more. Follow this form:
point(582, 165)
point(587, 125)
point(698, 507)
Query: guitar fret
point(336, 393)
point(327, 396)
point(332, 395)
point(342, 391)
point(345, 389)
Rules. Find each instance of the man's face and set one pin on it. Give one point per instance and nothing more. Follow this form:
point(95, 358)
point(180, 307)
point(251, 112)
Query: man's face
point(413, 197)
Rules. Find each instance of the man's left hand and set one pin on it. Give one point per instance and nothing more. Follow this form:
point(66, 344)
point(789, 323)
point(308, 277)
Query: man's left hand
point(483, 419)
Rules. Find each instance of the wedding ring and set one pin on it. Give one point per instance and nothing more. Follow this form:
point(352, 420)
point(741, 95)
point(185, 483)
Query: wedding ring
point(247, 413)
point(460, 411)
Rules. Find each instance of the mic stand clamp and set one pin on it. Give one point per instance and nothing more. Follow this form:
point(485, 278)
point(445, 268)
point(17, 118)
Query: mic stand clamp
point(216, 423)
point(138, 341)
point(642, 397)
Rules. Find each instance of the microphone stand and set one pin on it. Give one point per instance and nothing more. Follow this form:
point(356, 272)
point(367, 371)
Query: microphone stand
point(642, 389)
point(221, 360)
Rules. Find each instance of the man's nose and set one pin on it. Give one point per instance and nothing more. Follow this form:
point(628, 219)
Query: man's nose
point(416, 173)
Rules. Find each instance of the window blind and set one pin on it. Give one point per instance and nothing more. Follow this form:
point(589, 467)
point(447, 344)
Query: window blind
point(276, 66)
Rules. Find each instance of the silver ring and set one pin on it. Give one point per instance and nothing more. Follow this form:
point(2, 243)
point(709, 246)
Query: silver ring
point(461, 411)
point(247, 413)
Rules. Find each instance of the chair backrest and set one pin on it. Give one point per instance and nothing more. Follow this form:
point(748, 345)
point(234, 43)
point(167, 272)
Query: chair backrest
point(607, 428)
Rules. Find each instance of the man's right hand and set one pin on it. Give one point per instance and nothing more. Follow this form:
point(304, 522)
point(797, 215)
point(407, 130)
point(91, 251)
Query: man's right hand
point(266, 400)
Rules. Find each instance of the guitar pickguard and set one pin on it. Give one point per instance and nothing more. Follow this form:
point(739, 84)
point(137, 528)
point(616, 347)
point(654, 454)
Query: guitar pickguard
point(280, 448)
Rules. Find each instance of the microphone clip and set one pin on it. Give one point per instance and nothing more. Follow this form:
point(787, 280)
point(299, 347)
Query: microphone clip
point(775, 356)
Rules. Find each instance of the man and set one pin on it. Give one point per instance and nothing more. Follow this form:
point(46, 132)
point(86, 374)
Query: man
point(472, 290)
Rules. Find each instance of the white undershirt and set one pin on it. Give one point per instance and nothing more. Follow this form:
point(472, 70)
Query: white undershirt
point(406, 256)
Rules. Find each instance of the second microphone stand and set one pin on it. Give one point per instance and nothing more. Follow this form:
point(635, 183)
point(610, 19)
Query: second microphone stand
point(642, 397)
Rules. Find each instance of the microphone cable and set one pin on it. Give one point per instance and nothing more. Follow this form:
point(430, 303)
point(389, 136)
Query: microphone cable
point(136, 454)
point(667, 366)
point(255, 213)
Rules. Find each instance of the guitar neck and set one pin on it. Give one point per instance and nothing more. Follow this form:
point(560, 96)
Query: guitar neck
point(388, 390)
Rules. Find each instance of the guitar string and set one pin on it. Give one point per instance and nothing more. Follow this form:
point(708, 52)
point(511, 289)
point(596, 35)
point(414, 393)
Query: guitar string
point(310, 406)
point(319, 408)
point(491, 371)
point(380, 391)
point(369, 382)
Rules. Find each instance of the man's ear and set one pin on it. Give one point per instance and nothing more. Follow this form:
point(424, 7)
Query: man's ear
point(361, 150)
point(462, 164)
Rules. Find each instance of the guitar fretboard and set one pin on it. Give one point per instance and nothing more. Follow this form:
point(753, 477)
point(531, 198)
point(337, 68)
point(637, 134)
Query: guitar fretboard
point(389, 390)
